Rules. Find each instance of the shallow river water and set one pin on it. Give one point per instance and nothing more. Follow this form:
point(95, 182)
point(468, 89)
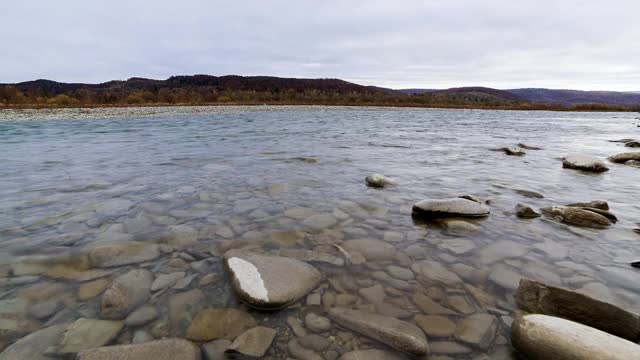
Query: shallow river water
point(201, 181)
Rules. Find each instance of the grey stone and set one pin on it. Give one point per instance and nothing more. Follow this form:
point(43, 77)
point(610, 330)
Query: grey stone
point(396, 333)
point(126, 293)
point(578, 216)
point(436, 325)
point(372, 250)
point(526, 212)
point(111, 254)
point(624, 157)
point(34, 345)
point(166, 280)
point(215, 349)
point(477, 330)
point(165, 349)
point(378, 181)
point(584, 163)
point(539, 336)
point(86, 334)
point(254, 342)
point(317, 323)
point(450, 208)
point(269, 282)
point(142, 316)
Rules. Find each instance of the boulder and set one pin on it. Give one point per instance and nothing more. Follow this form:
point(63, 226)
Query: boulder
point(584, 163)
point(536, 297)
point(539, 336)
point(576, 216)
point(395, 333)
point(126, 293)
point(451, 207)
point(378, 181)
point(624, 157)
point(269, 282)
point(211, 324)
point(525, 212)
point(254, 342)
point(165, 349)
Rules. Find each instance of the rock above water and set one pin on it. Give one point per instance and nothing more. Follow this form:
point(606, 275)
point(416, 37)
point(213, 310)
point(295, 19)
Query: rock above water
point(370, 354)
point(576, 216)
point(269, 282)
point(254, 342)
point(396, 333)
point(126, 293)
point(450, 208)
point(211, 324)
point(86, 334)
point(536, 297)
point(546, 337)
point(624, 157)
point(525, 212)
point(513, 150)
point(378, 181)
point(584, 163)
point(596, 204)
point(165, 349)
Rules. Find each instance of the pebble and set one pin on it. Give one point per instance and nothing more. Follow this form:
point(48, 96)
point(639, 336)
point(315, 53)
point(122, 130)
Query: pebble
point(317, 323)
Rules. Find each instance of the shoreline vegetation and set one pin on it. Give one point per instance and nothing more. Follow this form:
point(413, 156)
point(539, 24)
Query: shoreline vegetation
point(70, 104)
point(209, 90)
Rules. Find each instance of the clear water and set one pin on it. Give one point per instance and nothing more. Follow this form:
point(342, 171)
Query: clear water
point(69, 178)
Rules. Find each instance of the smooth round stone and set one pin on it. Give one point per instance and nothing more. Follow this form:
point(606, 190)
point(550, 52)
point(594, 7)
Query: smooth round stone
point(34, 345)
point(450, 208)
point(142, 316)
point(317, 323)
point(578, 216)
point(269, 282)
point(547, 337)
point(584, 163)
point(127, 293)
point(624, 157)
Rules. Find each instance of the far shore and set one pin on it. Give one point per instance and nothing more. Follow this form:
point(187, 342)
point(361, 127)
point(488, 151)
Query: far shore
point(516, 107)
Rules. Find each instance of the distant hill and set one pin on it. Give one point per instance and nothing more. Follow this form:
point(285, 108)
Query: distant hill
point(482, 93)
point(575, 97)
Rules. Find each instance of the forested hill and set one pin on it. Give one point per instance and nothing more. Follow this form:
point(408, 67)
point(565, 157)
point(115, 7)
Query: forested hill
point(573, 97)
point(233, 89)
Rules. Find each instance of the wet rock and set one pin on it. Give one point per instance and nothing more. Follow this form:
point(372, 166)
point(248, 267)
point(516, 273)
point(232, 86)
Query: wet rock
point(529, 193)
point(299, 213)
point(141, 336)
point(320, 221)
point(372, 250)
point(92, 289)
point(633, 144)
point(215, 349)
point(126, 293)
point(311, 256)
point(378, 181)
point(166, 280)
point(142, 316)
point(182, 307)
point(165, 349)
point(477, 330)
point(624, 157)
point(529, 147)
point(429, 306)
point(370, 354)
point(504, 277)
point(299, 352)
point(86, 334)
point(210, 324)
point(584, 163)
point(634, 163)
point(254, 342)
point(576, 216)
point(513, 151)
point(596, 204)
point(314, 342)
point(72, 273)
point(525, 212)
point(296, 326)
point(373, 294)
point(546, 337)
point(45, 309)
point(536, 297)
point(34, 345)
point(457, 246)
point(184, 282)
point(269, 282)
point(451, 207)
point(396, 333)
point(460, 304)
point(400, 273)
point(449, 348)
point(435, 271)
point(317, 323)
point(435, 325)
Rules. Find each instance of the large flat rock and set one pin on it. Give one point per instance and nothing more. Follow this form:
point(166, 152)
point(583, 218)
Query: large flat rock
point(539, 336)
point(450, 208)
point(269, 282)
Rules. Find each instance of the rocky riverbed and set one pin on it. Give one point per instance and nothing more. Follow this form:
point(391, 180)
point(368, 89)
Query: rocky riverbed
point(212, 234)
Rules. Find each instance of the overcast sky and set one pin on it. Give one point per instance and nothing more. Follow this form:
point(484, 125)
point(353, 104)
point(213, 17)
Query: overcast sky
point(589, 44)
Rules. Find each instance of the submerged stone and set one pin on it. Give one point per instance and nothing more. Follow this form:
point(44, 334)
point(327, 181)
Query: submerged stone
point(112, 254)
point(126, 293)
point(211, 324)
point(86, 334)
point(34, 345)
point(576, 216)
point(254, 342)
point(269, 282)
point(165, 349)
point(546, 337)
point(396, 333)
